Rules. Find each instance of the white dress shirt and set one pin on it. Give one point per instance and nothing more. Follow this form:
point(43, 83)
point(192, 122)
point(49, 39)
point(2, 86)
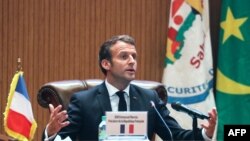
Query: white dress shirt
point(114, 99)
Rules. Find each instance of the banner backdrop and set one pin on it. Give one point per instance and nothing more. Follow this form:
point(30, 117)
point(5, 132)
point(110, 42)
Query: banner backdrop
point(188, 74)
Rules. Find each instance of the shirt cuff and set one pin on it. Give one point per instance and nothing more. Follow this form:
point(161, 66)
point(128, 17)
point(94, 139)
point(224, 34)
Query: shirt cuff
point(46, 135)
point(206, 138)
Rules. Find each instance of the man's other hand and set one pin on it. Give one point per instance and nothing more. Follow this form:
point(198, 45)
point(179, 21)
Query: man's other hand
point(57, 119)
point(210, 126)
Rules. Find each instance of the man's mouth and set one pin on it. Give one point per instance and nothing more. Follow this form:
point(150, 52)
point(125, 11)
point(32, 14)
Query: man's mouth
point(131, 70)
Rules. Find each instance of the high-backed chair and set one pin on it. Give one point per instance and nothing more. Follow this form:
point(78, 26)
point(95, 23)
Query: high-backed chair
point(59, 92)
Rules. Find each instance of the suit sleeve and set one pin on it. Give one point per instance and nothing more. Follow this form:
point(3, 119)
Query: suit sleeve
point(74, 118)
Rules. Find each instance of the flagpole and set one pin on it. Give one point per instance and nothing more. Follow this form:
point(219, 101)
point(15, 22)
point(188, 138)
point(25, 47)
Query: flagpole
point(19, 64)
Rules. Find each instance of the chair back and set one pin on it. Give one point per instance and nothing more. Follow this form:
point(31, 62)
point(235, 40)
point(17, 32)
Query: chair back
point(60, 92)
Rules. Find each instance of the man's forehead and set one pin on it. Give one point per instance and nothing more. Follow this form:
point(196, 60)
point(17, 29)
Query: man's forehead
point(123, 47)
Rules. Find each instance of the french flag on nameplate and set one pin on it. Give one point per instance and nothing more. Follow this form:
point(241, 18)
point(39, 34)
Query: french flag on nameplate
point(19, 122)
point(130, 128)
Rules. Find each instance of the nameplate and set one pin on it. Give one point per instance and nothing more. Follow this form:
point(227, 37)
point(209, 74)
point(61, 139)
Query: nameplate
point(126, 123)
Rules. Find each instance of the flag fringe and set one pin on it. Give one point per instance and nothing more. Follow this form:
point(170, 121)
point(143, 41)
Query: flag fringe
point(10, 132)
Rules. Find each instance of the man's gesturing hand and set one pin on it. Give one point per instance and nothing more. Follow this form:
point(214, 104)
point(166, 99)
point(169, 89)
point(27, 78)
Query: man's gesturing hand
point(57, 120)
point(210, 126)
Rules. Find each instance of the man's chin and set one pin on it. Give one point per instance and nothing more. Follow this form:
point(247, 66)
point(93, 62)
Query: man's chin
point(131, 78)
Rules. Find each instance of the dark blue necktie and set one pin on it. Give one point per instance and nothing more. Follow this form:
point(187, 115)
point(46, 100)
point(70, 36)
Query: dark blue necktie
point(122, 103)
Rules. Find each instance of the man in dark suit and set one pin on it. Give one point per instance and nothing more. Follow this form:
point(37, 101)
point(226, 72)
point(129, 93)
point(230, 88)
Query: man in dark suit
point(117, 60)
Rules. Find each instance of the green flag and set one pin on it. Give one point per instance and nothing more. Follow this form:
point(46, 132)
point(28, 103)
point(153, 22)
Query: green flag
point(233, 73)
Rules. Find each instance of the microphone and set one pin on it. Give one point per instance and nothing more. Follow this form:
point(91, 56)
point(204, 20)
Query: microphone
point(192, 112)
point(170, 133)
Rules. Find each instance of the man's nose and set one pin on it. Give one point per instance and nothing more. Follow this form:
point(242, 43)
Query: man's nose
point(132, 59)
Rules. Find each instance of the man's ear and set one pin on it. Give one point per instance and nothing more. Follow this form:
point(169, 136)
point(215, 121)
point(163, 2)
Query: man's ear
point(106, 64)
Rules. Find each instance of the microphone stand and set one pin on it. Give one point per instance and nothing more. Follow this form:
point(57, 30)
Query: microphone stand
point(179, 107)
point(195, 128)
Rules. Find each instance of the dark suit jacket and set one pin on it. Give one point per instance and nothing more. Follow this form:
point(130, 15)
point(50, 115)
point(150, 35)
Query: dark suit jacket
point(87, 107)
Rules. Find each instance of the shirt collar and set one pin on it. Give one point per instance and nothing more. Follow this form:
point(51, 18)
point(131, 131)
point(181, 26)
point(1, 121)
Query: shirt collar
point(112, 90)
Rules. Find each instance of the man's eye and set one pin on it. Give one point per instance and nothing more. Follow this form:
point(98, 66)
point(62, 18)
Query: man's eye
point(134, 56)
point(124, 56)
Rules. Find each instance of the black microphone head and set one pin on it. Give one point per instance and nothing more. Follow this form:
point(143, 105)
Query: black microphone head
point(176, 106)
point(183, 108)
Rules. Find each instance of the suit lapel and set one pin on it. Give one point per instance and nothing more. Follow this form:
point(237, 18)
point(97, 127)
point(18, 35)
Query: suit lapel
point(103, 98)
point(135, 99)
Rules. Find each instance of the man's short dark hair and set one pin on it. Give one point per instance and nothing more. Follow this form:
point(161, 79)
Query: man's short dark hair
point(104, 52)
